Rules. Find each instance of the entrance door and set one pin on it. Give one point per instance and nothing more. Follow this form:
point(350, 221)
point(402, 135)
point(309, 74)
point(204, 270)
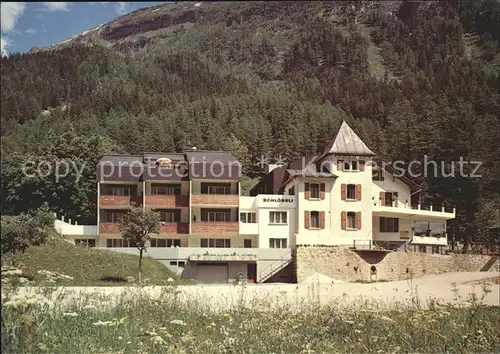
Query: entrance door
point(252, 272)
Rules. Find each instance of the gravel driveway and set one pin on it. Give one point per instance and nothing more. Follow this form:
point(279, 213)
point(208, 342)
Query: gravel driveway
point(222, 296)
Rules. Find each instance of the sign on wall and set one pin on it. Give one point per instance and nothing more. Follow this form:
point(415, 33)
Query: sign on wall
point(276, 201)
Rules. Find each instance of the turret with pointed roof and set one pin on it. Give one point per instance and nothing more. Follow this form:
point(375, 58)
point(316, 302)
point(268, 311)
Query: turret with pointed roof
point(347, 142)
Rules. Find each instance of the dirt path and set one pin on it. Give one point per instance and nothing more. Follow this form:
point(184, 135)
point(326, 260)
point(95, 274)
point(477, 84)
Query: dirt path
point(222, 296)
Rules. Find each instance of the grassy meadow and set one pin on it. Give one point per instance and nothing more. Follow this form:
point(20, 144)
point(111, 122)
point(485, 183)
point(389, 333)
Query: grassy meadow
point(40, 323)
point(58, 262)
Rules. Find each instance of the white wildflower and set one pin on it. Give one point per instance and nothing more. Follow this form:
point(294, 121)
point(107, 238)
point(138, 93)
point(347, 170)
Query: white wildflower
point(120, 338)
point(101, 323)
point(178, 322)
point(385, 318)
point(157, 340)
point(70, 314)
point(13, 271)
point(27, 300)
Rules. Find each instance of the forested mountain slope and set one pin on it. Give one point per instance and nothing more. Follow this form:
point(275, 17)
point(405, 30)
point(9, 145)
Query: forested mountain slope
point(412, 79)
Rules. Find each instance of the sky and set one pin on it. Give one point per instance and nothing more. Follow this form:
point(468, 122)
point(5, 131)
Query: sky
point(35, 24)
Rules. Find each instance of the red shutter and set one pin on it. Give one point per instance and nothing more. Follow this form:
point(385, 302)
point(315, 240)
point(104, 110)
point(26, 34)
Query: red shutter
point(322, 191)
point(307, 193)
point(382, 198)
point(358, 191)
point(306, 219)
point(340, 165)
point(395, 194)
point(358, 220)
point(343, 192)
point(322, 220)
point(343, 220)
point(361, 165)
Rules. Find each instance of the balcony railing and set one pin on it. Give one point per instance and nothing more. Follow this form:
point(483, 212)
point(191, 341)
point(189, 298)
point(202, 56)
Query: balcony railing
point(108, 228)
point(215, 227)
point(119, 201)
point(215, 199)
point(174, 228)
point(167, 201)
point(428, 207)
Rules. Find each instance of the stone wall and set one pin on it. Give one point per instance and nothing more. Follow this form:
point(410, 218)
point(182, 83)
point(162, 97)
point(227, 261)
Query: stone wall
point(343, 264)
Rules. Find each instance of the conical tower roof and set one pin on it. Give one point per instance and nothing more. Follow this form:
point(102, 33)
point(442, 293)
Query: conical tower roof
point(347, 142)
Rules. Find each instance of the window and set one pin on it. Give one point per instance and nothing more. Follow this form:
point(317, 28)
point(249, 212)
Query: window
point(314, 220)
point(314, 190)
point(277, 217)
point(118, 190)
point(217, 242)
point(351, 191)
point(166, 189)
point(390, 197)
point(165, 242)
point(277, 242)
point(352, 165)
point(118, 242)
point(247, 243)
point(85, 242)
point(351, 220)
point(217, 216)
point(113, 216)
point(218, 190)
point(389, 224)
point(249, 218)
point(181, 264)
point(291, 191)
point(168, 216)
point(378, 175)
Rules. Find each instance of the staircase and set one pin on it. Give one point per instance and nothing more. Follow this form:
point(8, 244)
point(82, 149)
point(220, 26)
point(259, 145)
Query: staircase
point(273, 268)
point(490, 263)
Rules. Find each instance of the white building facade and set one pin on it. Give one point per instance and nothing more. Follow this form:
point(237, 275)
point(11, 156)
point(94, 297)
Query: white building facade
point(342, 198)
point(337, 198)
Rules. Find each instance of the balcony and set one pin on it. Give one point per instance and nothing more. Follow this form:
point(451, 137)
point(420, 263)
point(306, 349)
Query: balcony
point(215, 199)
point(214, 227)
point(108, 228)
point(401, 209)
point(119, 201)
point(174, 228)
point(164, 201)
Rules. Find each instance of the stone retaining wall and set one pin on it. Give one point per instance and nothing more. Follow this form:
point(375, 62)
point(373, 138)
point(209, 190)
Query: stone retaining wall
point(343, 264)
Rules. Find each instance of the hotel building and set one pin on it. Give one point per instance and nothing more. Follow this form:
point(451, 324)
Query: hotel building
point(212, 233)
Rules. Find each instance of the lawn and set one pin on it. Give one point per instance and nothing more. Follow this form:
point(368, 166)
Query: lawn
point(85, 266)
point(91, 324)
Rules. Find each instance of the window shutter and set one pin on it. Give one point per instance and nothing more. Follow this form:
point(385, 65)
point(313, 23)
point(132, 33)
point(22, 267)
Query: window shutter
point(343, 191)
point(361, 165)
point(307, 193)
point(322, 220)
point(395, 194)
point(382, 198)
point(340, 165)
point(306, 219)
point(358, 220)
point(322, 191)
point(343, 220)
point(358, 191)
